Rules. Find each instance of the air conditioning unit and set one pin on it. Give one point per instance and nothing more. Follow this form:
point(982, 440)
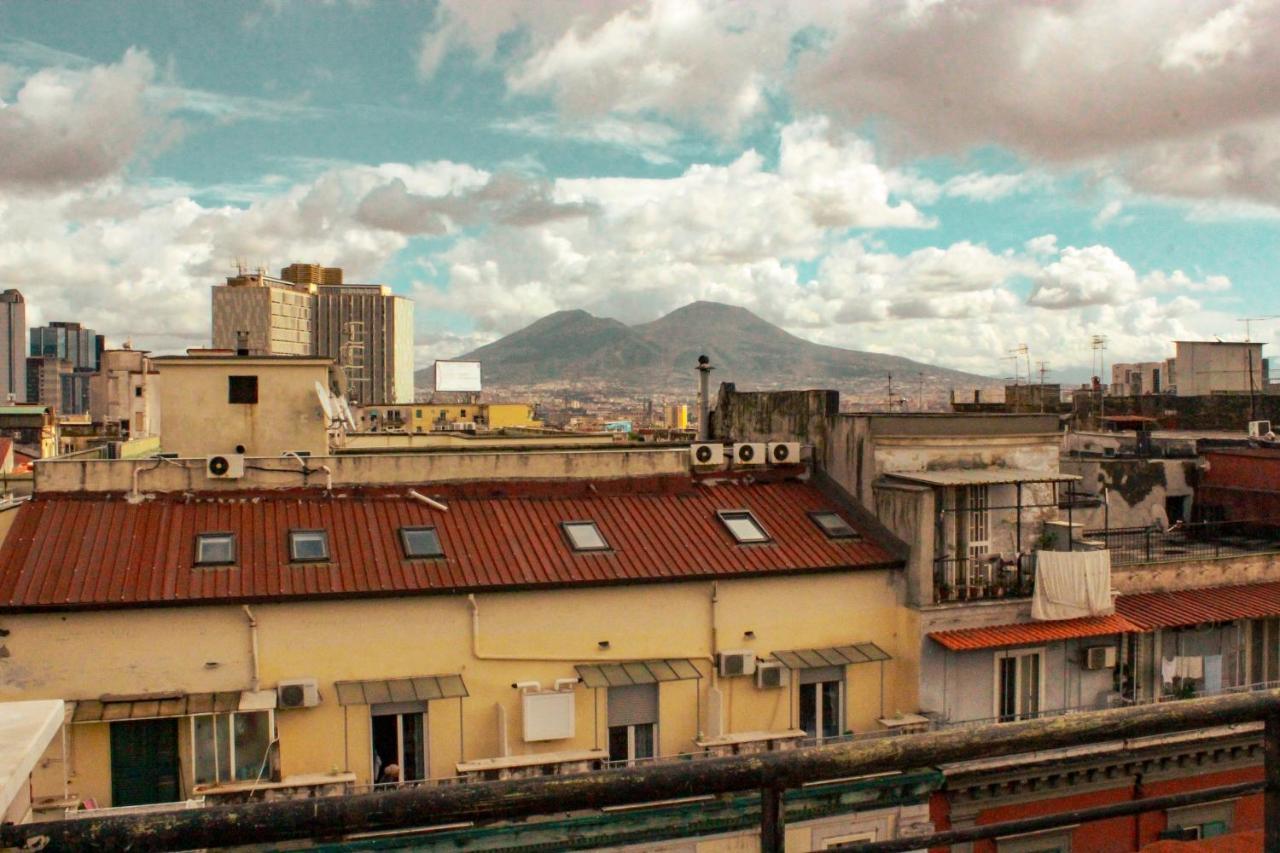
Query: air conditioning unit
point(1259, 429)
point(706, 454)
point(228, 466)
point(298, 693)
point(750, 453)
point(737, 662)
point(1100, 657)
point(784, 452)
point(771, 674)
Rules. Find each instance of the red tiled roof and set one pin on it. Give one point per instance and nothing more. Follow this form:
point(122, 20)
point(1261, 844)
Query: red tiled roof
point(96, 550)
point(967, 639)
point(1153, 610)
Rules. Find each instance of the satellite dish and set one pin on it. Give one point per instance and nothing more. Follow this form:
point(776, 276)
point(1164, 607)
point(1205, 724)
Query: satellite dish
point(326, 403)
point(347, 417)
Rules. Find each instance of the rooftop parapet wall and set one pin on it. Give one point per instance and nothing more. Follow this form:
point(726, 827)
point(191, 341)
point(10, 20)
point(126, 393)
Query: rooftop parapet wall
point(1195, 574)
point(179, 475)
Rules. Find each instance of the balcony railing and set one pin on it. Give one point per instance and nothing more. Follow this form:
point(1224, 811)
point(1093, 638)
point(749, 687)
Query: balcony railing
point(1130, 545)
point(982, 578)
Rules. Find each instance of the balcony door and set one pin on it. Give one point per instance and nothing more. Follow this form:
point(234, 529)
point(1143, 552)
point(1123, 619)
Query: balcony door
point(1019, 684)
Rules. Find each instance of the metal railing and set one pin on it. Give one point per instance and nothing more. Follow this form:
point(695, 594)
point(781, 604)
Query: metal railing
point(1129, 545)
point(770, 774)
point(980, 578)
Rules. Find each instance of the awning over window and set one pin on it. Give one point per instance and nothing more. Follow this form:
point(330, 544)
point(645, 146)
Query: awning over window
point(147, 707)
point(835, 656)
point(421, 688)
point(636, 672)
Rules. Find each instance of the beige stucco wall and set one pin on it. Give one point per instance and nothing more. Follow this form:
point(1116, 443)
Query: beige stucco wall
point(135, 652)
point(199, 420)
point(1196, 573)
point(181, 475)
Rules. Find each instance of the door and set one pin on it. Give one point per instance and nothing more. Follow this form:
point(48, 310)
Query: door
point(1019, 685)
point(633, 722)
point(399, 742)
point(144, 762)
point(822, 702)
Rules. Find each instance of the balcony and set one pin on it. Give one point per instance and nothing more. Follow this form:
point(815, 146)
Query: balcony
point(1208, 540)
point(983, 578)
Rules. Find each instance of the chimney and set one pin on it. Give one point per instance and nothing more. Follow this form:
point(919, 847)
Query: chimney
point(704, 402)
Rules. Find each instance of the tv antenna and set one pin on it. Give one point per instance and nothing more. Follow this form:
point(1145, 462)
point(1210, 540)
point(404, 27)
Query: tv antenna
point(1249, 321)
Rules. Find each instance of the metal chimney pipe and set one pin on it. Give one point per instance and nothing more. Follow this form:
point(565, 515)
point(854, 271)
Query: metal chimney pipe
point(704, 401)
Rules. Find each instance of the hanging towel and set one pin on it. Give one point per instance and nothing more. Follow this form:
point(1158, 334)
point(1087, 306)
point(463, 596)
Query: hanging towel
point(1072, 584)
point(1213, 674)
point(1189, 668)
point(1168, 669)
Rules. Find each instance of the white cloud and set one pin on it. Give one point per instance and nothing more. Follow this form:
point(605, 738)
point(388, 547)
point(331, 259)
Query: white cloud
point(67, 127)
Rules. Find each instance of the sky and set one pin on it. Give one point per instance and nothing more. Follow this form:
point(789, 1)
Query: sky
point(946, 181)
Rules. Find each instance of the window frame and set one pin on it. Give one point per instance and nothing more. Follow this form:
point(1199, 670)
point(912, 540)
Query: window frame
point(1018, 654)
point(324, 539)
point(579, 549)
point(232, 389)
point(212, 534)
point(407, 551)
point(725, 515)
point(231, 746)
point(851, 535)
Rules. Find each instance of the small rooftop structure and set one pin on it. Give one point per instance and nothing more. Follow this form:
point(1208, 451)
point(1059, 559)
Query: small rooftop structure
point(26, 730)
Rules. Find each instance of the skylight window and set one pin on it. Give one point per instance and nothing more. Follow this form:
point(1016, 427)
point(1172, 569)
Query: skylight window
point(420, 542)
point(742, 525)
point(833, 525)
point(585, 536)
point(308, 546)
point(215, 549)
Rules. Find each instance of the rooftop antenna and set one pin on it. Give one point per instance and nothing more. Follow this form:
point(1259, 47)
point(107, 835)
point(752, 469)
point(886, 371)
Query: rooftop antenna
point(1044, 368)
point(1249, 321)
point(1098, 343)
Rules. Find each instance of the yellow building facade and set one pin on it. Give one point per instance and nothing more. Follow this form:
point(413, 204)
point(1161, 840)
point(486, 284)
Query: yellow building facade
point(267, 666)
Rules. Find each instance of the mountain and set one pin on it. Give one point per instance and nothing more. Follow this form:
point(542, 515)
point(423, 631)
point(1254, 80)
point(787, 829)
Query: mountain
point(575, 348)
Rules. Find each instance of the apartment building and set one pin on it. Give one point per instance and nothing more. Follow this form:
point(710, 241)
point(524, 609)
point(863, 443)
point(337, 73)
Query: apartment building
point(123, 394)
point(413, 622)
point(264, 316)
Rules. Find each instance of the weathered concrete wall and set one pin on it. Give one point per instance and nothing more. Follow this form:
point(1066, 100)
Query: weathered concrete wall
point(1211, 412)
point(907, 510)
point(1136, 490)
point(802, 416)
point(101, 475)
point(1196, 574)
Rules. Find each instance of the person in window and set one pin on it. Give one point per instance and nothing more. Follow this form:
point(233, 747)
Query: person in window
point(390, 775)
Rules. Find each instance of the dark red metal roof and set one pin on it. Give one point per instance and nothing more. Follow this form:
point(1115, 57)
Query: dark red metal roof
point(1152, 610)
point(98, 550)
point(999, 636)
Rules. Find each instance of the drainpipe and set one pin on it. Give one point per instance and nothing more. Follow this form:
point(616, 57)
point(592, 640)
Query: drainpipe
point(431, 502)
point(704, 401)
point(253, 640)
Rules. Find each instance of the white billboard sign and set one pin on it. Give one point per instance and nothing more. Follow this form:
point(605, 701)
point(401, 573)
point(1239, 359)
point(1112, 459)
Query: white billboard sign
point(457, 376)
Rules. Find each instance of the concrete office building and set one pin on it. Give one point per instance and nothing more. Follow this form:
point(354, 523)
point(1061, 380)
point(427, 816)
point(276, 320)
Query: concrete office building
point(309, 311)
point(13, 346)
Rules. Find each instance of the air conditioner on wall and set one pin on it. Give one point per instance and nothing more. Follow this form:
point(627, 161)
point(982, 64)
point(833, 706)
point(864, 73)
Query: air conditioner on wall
point(226, 466)
point(750, 453)
point(298, 693)
point(737, 662)
point(1259, 429)
point(1100, 657)
point(771, 674)
point(784, 452)
point(706, 455)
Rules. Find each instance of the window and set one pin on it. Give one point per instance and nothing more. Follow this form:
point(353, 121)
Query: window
point(137, 390)
point(633, 722)
point(742, 525)
point(231, 747)
point(833, 525)
point(584, 536)
point(242, 389)
point(399, 742)
point(822, 702)
point(1264, 651)
point(1019, 684)
point(1209, 820)
point(420, 542)
point(306, 546)
point(215, 549)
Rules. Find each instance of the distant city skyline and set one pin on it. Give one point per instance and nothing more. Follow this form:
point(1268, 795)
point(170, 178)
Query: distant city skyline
point(1066, 172)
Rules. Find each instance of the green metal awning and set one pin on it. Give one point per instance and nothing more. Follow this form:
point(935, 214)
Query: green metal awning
point(421, 688)
point(636, 672)
point(149, 707)
point(833, 656)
